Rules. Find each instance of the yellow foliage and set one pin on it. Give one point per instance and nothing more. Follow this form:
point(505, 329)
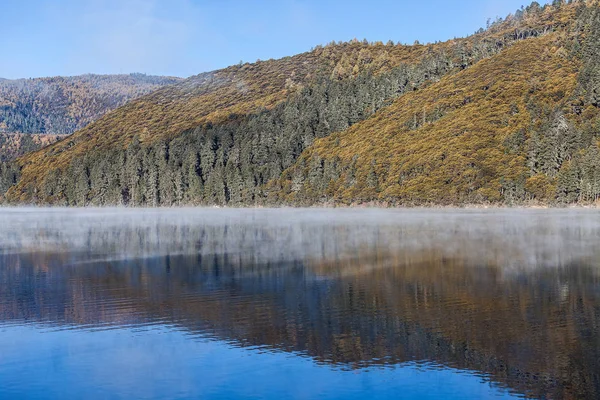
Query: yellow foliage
point(541, 187)
point(461, 156)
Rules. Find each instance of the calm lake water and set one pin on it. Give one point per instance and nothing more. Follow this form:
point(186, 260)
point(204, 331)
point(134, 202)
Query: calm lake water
point(217, 304)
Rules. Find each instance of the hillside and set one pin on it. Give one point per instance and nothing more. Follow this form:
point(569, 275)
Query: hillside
point(519, 127)
point(507, 115)
point(215, 97)
point(465, 139)
point(62, 105)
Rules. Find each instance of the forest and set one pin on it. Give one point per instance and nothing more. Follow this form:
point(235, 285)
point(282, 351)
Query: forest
point(506, 116)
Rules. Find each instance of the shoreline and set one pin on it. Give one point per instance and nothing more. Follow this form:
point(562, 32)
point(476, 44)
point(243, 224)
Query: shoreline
point(367, 206)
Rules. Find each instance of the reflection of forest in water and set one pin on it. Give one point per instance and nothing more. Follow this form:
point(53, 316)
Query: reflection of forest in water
point(515, 298)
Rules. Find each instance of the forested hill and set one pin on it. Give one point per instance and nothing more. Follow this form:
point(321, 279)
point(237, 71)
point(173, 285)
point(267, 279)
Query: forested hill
point(508, 115)
point(52, 107)
point(62, 105)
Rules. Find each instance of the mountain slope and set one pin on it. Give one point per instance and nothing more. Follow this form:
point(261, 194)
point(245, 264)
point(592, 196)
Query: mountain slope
point(522, 126)
point(50, 108)
point(213, 97)
point(506, 115)
point(62, 105)
point(463, 139)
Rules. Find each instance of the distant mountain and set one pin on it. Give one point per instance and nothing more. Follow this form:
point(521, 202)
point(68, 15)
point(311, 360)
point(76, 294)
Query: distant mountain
point(13, 145)
point(62, 105)
point(509, 115)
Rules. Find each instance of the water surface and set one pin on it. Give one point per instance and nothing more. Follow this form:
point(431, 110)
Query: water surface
point(214, 303)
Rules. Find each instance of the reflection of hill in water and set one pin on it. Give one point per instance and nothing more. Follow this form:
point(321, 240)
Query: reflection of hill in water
point(391, 294)
point(535, 333)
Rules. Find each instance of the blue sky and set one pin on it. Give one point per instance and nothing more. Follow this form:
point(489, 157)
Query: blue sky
point(186, 37)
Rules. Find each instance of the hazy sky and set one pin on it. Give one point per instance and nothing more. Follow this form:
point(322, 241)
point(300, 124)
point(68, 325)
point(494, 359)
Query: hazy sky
point(186, 37)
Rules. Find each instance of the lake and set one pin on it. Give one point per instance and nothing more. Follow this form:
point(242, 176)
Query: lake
point(301, 304)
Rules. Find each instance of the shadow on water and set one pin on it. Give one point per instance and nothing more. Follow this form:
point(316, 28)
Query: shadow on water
point(512, 296)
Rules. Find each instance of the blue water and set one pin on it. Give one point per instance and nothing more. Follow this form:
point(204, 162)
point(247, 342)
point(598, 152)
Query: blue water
point(161, 362)
point(300, 304)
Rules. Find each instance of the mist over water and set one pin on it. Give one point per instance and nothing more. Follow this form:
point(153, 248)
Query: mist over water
point(377, 303)
point(513, 238)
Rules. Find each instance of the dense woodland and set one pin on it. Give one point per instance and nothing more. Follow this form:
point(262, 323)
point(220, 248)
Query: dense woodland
point(506, 116)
